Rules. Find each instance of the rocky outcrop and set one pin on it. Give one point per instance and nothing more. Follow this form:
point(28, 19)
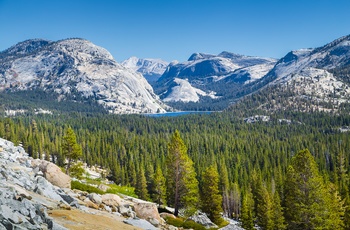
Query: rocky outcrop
point(203, 219)
point(148, 211)
point(140, 223)
point(19, 206)
point(51, 172)
point(111, 200)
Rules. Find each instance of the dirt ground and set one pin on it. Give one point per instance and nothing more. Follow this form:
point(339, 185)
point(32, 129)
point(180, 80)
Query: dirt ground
point(77, 220)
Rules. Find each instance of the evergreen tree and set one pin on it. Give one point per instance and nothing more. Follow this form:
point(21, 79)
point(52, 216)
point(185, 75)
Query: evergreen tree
point(159, 187)
point(141, 185)
point(247, 212)
point(335, 207)
point(277, 213)
point(182, 185)
point(307, 201)
point(211, 198)
point(235, 200)
point(347, 213)
point(264, 209)
point(70, 148)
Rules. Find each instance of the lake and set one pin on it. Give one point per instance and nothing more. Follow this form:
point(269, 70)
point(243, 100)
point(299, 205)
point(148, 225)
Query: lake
point(175, 114)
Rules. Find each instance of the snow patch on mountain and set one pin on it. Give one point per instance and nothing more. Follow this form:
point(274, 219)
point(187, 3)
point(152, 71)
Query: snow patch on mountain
point(318, 85)
point(208, 72)
point(330, 56)
point(185, 92)
point(151, 69)
point(310, 89)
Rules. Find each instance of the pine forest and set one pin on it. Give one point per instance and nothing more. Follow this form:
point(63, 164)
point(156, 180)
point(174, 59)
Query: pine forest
point(290, 172)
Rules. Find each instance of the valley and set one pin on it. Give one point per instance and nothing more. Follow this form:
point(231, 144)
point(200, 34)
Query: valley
point(242, 131)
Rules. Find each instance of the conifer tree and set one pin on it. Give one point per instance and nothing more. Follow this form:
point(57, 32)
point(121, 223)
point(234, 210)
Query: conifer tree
point(182, 185)
point(347, 213)
point(159, 187)
point(264, 209)
point(247, 212)
point(70, 148)
point(277, 213)
point(308, 203)
point(211, 198)
point(141, 185)
point(235, 200)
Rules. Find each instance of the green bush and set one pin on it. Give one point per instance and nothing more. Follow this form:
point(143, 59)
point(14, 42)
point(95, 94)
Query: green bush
point(77, 170)
point(188, 224)
point(85, 187)
point(126, 190)
point(178, 222)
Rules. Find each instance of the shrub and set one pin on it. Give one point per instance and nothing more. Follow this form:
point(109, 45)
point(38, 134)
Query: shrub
point(188, 224)
point(85, 187)
point(126, 190)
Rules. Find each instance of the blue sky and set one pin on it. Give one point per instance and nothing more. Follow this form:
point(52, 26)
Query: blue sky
point(174, 29)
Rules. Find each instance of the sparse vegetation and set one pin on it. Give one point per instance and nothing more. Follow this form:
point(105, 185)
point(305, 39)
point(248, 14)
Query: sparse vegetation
point(84, 187)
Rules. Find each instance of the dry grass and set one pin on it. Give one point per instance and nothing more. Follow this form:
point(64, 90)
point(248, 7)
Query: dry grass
point(76, 220)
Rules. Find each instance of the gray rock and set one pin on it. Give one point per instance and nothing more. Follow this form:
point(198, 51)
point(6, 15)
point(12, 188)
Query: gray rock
point(140, 223)
point(202, 218)
point(108, 209)
point(111, 200)
point(131, 214)
point(103, 187)
point(56, 226)
point(2, 227)
point(67, 198)
point(123, 209)
point(147, 210)
point(154, 222)
point(95, 198)
point(233, 225)
point(117, 214)
point(170, 227)
point(75, 204)
point(55, 175)
point(9, 214)
point(126, 210)
point(43, 187)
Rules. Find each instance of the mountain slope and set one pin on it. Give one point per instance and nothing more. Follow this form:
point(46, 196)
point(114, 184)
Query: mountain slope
point(151, 69)
point(217, 76)
point(76, 67)
point(308, 80)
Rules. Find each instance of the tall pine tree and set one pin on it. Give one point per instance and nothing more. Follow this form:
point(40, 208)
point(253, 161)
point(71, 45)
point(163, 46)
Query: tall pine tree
point(159, 187)
point(182, 185)
point(70, 148)
point(211, 198)
point(247, 218)
point(309, 204)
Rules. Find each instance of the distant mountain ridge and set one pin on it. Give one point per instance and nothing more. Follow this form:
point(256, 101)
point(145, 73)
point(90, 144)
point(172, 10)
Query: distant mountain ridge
point(151, 69)
point(76, 66)
point(215, 77)
point(212, 82)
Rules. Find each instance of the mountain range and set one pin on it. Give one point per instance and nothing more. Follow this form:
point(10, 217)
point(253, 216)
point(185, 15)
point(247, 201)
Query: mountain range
point(77, 70)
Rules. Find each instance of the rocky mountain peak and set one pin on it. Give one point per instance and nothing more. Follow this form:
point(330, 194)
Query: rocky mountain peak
point(26, 47)
point(77, 66)
point(199, 56)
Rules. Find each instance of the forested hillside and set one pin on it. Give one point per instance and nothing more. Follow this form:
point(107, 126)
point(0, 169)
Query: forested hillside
point(135, 147)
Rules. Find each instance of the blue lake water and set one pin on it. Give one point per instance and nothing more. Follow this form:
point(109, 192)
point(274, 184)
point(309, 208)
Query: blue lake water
point(175, 114)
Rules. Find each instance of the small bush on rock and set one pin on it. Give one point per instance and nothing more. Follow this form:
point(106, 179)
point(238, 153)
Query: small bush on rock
point(86, 188)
